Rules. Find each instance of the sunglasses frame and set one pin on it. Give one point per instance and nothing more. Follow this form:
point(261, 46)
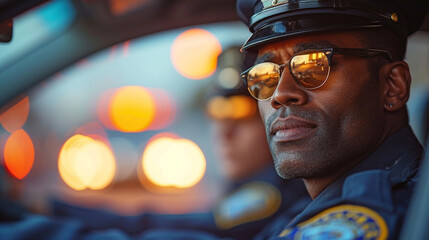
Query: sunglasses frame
point(329, 52)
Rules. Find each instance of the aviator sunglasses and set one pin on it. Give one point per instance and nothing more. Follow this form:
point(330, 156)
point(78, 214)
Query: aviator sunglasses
point(309, 68)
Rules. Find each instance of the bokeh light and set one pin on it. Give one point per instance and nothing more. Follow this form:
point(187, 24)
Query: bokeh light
point(235, 107)
point(86, 163)
point(19, 154)
point(132, 109)
point(194, 53)
point(229, 78)
point(15, 117)
point(219, 108)
point(243, 106)
point(173, 162)
point(157, 112)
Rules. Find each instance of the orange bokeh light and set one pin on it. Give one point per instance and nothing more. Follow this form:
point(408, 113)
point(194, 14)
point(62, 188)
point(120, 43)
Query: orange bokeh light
point(173, 162)
point(86, 163)
point(15, 117)
point(194, 53)
point(19, 154)
point(132, 109)
point(235, 107)
point(157, 109)
point(243, 106)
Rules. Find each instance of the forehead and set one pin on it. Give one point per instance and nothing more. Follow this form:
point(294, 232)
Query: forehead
point(288, 47)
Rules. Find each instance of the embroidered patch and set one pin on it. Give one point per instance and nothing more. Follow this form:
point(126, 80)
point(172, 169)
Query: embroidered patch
point(253, 201)
point(341, 222)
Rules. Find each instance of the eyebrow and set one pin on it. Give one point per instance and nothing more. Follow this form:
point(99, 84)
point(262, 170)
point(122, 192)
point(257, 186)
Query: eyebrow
point(313, 45)
point(267, 57)
point(270, 56)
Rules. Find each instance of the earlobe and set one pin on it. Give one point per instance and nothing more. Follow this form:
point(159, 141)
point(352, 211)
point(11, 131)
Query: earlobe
point(397, 81)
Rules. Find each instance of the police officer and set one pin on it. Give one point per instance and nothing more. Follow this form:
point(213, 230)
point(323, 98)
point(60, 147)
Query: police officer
point(256, 194)
point(332, 87)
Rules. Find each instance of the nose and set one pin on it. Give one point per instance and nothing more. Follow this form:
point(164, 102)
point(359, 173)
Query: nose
point(225, 129)
point(288, 92)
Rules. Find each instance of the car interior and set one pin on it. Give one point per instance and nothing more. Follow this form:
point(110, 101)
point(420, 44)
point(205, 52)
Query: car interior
point(70, 68)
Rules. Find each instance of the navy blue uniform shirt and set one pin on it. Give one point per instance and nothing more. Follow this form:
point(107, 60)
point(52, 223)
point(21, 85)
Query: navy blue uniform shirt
point(367, 202)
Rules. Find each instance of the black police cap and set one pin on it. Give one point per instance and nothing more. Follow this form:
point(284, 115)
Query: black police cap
point(270, 20)
point(231, 58)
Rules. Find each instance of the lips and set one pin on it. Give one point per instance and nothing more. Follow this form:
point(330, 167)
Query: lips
point(291, 128)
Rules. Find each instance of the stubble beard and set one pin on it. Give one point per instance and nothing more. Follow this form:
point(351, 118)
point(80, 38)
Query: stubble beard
point(318, 158)
point(305, 165)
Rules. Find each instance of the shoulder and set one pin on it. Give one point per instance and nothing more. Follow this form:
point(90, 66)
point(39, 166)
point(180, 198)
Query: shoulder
point(372, 205)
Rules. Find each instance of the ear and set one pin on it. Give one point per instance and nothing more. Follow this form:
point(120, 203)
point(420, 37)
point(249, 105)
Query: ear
point(397, 81)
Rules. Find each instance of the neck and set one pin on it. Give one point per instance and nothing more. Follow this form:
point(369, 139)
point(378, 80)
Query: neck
point(316, 185)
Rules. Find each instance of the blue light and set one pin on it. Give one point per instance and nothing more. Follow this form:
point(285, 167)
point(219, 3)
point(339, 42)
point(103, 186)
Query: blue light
point(35, 27)
point(57, 14)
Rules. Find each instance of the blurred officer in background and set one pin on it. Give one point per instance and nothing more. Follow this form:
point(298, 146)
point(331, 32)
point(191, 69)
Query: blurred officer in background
point(237, 128)
point(332, 89)
point(256, 195)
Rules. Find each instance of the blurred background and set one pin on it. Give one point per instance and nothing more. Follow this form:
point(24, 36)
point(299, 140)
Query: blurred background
point(104, 103)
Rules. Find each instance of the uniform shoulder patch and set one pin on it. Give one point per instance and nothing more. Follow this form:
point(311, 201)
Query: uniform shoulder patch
point(341, 222)
point(252, 201)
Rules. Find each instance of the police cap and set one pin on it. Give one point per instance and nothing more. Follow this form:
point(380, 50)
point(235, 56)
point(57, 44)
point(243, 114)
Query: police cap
point(228, 82)
point(269, 20)
point(228, 97)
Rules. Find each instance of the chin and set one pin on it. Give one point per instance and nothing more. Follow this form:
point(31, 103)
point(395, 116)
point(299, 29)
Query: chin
point(288, 169)
point(299, 167)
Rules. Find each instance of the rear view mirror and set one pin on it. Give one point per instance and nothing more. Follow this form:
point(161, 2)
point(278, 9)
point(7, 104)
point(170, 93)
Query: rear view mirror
point(6, 29)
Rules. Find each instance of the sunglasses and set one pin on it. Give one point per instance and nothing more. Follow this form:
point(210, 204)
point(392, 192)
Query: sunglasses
point(309, 68)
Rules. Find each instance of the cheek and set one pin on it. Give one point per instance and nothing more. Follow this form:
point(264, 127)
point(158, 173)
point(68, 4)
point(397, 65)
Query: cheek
point(264, 109)
point(354, 106)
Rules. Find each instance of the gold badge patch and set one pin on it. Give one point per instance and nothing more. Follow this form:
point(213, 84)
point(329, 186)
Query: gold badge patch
point(253, 201)
point(341, 222)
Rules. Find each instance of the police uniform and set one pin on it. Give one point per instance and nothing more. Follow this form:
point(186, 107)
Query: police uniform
point(370, 200)
point(250, 205)
point(367, 202)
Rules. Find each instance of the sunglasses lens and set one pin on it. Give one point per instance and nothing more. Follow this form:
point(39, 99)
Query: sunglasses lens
point(310, 70)
point(262, 80)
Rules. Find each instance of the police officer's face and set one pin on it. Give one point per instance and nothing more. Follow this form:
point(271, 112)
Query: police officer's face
point(317, 133)
point(242, 146)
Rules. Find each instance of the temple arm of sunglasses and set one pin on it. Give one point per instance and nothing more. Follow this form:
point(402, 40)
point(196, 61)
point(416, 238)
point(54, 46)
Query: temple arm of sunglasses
point(244, 74)
point(363, 52)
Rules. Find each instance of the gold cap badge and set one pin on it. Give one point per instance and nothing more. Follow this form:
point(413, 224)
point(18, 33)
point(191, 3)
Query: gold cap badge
point(273, 3)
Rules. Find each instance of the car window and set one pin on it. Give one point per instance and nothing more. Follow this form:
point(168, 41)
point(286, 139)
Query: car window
point(110, 106)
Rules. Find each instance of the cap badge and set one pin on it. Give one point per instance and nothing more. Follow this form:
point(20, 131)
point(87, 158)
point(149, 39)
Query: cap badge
point(394, 17)
point(273, 3)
